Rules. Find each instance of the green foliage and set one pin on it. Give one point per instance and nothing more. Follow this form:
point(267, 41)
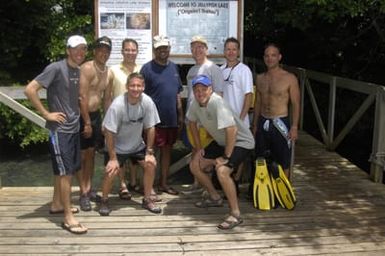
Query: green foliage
point(32, 34)
point(18, 128)
point(345, 37)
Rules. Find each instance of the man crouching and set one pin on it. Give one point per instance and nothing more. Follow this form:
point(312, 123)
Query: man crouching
point(130, 115)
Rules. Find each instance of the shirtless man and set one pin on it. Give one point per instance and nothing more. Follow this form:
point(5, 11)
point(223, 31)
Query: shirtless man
point(93, 84)
point(276, 89)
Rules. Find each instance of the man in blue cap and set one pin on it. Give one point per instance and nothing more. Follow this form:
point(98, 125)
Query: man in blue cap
point(233, 143)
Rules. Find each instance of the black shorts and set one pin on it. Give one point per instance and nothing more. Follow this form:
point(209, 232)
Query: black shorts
point(65, 153)
point(122, 158)
point(213, 150)
point(96, 137)
point(271, 144)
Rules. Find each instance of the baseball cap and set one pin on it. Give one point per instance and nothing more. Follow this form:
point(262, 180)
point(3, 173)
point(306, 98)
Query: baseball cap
point(199, 39)
point(103, 41)
point(201, 79)
point(75, 40)
point(161, 40)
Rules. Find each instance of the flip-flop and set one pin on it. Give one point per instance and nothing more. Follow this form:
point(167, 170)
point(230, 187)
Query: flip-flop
point(168, 190)
point(73, 210)
point(230, 224)
point(77, 229)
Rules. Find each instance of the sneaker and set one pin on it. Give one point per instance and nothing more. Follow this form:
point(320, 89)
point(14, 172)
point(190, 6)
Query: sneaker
point(85, 204)
point(94, 197)
point(193, 189)
point(104, 210)
point(150, 205)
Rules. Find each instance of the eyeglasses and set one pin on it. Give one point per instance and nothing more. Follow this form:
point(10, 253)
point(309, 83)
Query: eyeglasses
point(141, 113)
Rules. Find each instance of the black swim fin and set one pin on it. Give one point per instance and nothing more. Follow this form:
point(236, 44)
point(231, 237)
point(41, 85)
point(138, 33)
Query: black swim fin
point(282, 187)
point(263, 193)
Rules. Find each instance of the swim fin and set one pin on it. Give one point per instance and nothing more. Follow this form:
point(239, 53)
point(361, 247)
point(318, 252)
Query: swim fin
point(263, 193)
point(282, 188)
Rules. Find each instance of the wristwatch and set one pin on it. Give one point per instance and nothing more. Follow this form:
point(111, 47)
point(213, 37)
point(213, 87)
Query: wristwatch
point(150, 151)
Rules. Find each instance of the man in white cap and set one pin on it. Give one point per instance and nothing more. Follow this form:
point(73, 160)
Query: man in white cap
point(163, 85)
point(232, 143)
point(61, 80)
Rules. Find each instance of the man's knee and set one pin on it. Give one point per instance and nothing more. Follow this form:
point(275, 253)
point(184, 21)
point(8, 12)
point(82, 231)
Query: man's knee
point(223, 172)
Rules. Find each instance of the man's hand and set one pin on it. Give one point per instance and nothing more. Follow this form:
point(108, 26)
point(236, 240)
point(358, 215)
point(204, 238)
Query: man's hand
point(112, 167)
point(87, 131)
point(58, 117)
point(293, 133)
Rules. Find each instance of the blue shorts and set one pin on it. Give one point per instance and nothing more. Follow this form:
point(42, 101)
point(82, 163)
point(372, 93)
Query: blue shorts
point(271, 144)
point(239, 155)
point(122, 158)
point(96, 137)
point(65, 153)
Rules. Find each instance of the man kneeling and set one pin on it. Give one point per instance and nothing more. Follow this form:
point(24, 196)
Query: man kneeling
point(233, 143)
point(129, 116)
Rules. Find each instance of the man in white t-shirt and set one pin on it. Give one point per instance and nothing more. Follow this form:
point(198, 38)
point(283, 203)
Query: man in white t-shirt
point(129, 116)
point(238, 87)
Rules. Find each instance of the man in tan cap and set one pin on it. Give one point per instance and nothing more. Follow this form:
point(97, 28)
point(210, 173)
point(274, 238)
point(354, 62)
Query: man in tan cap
point(163, 85)
point(203, 66)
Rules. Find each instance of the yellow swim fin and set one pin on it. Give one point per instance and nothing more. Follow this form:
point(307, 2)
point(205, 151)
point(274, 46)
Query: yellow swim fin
point(263, 193)
point(282, 188)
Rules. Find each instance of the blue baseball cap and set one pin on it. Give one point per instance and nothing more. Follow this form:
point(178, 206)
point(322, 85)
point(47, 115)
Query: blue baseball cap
point(201, 79)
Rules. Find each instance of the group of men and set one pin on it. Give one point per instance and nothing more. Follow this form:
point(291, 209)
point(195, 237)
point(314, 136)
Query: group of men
point(143, 111)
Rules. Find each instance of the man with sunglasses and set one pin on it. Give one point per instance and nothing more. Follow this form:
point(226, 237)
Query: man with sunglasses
point(129, 116)
point(238, 87)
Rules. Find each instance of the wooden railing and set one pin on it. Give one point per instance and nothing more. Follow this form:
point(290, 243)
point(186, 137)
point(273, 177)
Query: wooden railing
point(375, 94)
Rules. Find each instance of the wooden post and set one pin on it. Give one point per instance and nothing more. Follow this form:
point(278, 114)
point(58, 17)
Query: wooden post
point(378, 145)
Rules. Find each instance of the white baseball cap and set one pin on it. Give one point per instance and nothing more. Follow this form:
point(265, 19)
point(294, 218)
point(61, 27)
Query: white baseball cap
point(161, 40)
point(75, 40)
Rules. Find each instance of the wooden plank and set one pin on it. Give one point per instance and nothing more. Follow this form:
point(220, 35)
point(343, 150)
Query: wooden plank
point(339, 212)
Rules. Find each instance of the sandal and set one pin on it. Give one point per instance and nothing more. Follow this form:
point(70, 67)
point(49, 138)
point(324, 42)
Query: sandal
point(155, 198)
point(230, 222)
point(135, 188)
point(124, 194)
point(168, 190)
point(77, 229)
point(148, 204)
point(208, 202)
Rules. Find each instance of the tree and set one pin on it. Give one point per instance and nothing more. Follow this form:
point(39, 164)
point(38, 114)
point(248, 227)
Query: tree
point(33, 32)
point(344, 37)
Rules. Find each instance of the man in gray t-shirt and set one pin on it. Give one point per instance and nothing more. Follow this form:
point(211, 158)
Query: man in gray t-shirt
point(129, 117)
point(233, 143)
point(61, 80)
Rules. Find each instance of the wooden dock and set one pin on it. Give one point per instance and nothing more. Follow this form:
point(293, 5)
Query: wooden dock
point(339, 212)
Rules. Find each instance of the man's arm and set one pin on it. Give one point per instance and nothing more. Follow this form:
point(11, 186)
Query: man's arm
point(108, 91)
point(231, 135)
point(112, 166)
point(85, 80)
point(257, 108)
point(295, 101)
point(150, 140)
point(246, 105)
point(31, 91)
point(179, 108)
